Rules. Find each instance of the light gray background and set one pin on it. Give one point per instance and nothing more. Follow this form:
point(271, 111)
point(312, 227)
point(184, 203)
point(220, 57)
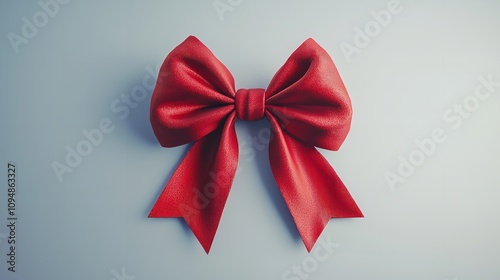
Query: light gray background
point(441, 223)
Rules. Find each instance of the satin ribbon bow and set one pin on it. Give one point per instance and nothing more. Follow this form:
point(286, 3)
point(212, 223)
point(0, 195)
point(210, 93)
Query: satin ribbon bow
point(307, 105)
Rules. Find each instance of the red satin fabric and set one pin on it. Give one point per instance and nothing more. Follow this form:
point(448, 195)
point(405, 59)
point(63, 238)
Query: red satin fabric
point(307, 105)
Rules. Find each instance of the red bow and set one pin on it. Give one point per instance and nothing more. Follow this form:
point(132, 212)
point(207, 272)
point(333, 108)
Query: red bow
point(307, 105)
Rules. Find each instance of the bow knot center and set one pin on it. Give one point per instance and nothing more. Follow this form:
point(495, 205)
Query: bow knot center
point(250, 104)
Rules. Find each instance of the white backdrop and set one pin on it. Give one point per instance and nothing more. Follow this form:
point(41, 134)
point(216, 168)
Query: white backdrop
point(421, 159)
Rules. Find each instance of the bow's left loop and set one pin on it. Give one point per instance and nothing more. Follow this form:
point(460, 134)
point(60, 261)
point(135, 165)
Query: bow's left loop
point(193, 96)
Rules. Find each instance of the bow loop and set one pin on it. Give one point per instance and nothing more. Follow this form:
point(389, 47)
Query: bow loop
point(193, 96)
point(308, 95)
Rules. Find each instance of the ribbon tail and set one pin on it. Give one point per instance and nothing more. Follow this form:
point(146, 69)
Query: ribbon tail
point(310, 187)
point(199, 187)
